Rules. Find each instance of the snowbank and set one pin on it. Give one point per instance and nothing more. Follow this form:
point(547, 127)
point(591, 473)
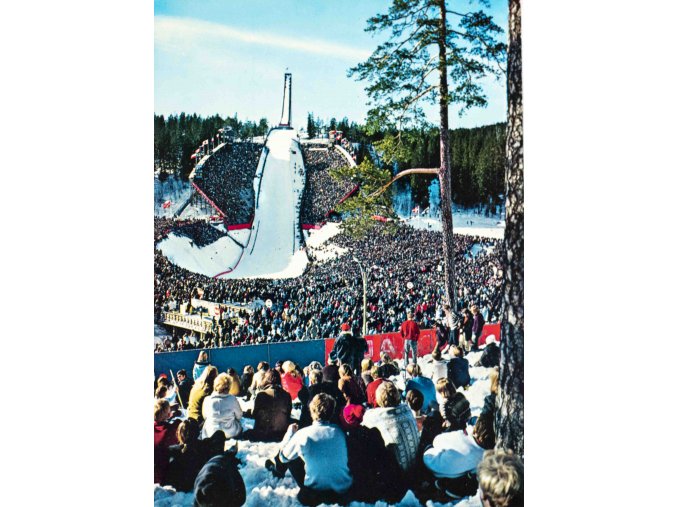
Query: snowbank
point(265, 490)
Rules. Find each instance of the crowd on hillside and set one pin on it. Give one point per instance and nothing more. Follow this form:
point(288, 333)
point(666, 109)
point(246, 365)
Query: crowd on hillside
point(322, 192)
point(199, 232)
point(346, 432)
point(227, 179)
point(314, 305)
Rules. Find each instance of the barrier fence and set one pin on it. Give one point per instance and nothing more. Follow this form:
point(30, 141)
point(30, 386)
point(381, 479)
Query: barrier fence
point(393, 343)
point(301, 352)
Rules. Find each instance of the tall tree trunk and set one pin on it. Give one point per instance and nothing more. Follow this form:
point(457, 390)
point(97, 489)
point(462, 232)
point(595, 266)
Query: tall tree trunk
point(445, 165)
point(510, 413)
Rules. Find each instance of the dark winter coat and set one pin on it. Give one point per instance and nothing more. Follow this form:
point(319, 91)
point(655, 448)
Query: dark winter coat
point(458, 372)
point(246, 380)
point(388, 370)
point(330, 373)
point(456, 410)
point(323, 387)
point(477, 324)
point(442, 335)
point(467, 324)
point(376, 473)
point(184, 390)
point(272, 408)
point(349, 350)
point(489, 404)
point(351, 388)
point(220, 483)
point(184, 465)
point(491, 356)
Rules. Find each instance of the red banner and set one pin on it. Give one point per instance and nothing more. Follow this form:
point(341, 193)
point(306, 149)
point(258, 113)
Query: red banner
point(490, 330)
point(238, 227)
point(312, 227)
point(393, 343)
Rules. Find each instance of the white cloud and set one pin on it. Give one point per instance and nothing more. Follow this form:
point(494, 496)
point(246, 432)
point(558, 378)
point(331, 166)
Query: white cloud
point(174, 33)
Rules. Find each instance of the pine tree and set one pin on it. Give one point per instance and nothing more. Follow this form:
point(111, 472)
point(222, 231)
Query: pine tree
point(310, 126)
point(510, 413)
point(400, 72)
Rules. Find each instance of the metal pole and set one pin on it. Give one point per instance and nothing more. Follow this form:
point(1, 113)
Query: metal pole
point(364, 304)
point(364, 297)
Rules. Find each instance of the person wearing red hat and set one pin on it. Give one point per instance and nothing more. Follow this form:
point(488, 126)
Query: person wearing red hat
point(348, 349)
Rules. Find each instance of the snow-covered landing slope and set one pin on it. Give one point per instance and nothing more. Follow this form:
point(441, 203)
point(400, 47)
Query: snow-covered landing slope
point(274, 248)
point(209, 260)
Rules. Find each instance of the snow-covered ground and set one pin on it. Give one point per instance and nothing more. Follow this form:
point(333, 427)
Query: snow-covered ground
point(465, 222)
point(265, 490)
point(317, 242)
point(209, 260)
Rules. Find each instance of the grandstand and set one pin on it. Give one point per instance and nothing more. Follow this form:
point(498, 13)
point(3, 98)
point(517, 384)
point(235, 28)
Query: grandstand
point(322, 192)
point(226, 179)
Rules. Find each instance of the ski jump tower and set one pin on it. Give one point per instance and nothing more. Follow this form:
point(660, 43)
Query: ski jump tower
point(285, 119)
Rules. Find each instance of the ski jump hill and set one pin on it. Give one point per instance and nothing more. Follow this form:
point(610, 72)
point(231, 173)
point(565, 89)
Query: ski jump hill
point(273, 249)
point(271, 245)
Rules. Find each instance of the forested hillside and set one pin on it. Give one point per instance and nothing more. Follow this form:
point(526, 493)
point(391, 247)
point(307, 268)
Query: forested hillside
point(477, 154)
point(477, 162)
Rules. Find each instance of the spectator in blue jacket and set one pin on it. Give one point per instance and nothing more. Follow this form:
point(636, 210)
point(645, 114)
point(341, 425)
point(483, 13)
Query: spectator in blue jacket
point(458, 369)
point(422, 384)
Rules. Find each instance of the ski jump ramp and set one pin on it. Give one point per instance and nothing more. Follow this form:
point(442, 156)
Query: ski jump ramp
point(274, 249)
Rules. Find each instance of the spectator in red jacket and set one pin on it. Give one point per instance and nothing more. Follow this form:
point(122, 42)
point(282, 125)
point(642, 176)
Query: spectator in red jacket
point(377, 373)
point(410, 332)
point(164, 436)
point(292, 380)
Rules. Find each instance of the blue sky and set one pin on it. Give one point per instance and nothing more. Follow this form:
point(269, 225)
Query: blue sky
point(229, 56)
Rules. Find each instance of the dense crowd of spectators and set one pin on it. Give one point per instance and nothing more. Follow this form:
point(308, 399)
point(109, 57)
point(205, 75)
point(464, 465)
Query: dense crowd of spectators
point(200, 232)
point(328, 294)
point(227, 179)
point(322, 192)
point(162, 227)
point(341, 435)
point(197, 230)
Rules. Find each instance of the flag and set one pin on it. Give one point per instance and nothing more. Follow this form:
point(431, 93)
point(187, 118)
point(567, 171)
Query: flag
point(166, 204)
point(194, 155)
